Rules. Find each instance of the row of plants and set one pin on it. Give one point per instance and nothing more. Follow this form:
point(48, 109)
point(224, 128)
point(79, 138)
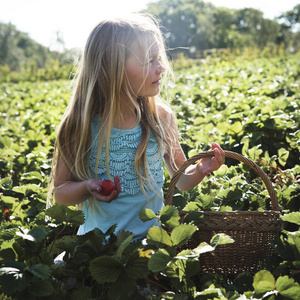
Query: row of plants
point(64, 69)
point(249, 106)
point(53, 70)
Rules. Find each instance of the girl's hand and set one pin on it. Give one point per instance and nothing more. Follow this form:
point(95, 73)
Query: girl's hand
point(209, 164)
point(94, 188)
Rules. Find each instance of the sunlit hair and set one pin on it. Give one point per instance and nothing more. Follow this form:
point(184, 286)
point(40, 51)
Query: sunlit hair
point(101, 82)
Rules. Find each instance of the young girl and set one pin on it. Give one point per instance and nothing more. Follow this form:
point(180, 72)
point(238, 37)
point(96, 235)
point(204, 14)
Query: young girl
point(116, 126)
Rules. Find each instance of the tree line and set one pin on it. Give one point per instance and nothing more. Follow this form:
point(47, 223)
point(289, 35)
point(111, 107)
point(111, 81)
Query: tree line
point(23, 59)
point(199, 25)
point(190, 27)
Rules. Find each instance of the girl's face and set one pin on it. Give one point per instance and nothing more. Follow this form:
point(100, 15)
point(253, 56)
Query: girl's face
point(144, 71)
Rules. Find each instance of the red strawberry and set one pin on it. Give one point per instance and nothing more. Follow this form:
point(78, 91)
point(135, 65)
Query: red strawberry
point(107, 187)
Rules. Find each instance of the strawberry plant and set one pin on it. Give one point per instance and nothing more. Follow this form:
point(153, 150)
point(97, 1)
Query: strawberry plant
point(250, 106)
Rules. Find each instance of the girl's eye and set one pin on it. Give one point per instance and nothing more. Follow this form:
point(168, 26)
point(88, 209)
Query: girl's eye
point(153, 59)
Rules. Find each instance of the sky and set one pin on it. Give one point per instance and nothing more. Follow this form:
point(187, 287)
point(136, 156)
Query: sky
point(74, 19)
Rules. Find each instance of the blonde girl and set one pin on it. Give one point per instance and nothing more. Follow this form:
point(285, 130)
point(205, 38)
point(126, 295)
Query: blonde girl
point(117, 127)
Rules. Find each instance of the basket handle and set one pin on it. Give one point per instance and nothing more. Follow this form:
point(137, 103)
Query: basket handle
point(229, 154)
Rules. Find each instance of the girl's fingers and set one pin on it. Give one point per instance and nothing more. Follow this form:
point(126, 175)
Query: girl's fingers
point(108, 198)
point(117, 183)
point(215, 164)
point(94, 185)
point(219, 153)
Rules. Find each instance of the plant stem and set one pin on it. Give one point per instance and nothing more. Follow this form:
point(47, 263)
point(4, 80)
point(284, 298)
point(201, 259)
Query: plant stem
point(57, 237)
point(157, 284)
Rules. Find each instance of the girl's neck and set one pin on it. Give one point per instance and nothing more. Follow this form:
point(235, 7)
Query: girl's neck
point(128, 120)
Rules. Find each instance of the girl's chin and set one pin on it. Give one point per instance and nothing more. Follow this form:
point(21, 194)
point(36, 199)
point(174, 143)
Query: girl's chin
point(153, 93)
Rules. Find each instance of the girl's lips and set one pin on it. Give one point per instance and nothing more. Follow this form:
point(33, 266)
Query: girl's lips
point(156, 82)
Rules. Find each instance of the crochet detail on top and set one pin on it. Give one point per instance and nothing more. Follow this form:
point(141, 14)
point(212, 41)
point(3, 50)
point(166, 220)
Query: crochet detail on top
point(123, 146)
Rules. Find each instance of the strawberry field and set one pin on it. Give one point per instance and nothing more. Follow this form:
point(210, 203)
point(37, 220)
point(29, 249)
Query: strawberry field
point(249, 105)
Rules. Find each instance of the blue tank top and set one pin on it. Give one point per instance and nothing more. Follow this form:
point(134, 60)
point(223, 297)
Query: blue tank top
point(124, 211)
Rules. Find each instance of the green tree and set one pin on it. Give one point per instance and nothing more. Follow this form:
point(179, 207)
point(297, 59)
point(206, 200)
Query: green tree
point(290, 28)
point(259, 31)
point(226, 34)
point(188, 23)
point(21, 58)
point(10, 53)
point(199, 25)
point(291, 18)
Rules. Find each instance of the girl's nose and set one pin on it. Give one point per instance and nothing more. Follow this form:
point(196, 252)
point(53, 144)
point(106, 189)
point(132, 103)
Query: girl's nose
point(160, 68)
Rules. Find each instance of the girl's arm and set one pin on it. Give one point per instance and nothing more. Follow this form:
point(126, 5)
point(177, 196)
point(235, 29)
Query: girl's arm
point(193, 174)
point(70, 192)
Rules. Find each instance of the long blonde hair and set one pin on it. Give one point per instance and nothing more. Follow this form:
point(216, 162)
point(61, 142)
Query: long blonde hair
point(100, 82)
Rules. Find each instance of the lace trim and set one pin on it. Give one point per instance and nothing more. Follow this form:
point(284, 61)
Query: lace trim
point(123, 146)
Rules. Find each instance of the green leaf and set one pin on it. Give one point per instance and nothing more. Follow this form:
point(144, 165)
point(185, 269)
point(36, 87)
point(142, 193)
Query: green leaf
point(12, 279)
point(263, 282)
point(193, 206)
point(206, 201)
point(7, 254)
point(123, 286)
point(124, 245)
point(187, 254)
point(32, 175)
point(254, 153)
point(8, 200)
point(6, 183)
point(203, 248)
point(294, 242)
point(36, 234)
point(7, 234)
point(41, 271)
point(27, 189)
point(62, 213)
point(169, 216)
point(232, 194)
point(220, 239)
point(193, 217)
point(283, 155)
point(147, 215)
point(158, 236)
point(66, 243)
point(41, 288)
point(5, 142)
point(222, 171)
point(187, 267)
point(293, 217)
point(84, 292)
point(110, 230)
point(287, 287)
point(236, 127)
point(137, 266)
point(210, 293)
point(159, 260)
point(225, 208)
point(181, 234)
point(105, 269)
point(122, 236)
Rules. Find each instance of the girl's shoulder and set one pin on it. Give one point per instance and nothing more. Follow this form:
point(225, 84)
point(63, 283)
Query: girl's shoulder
point(165, 113)
point(164, 110)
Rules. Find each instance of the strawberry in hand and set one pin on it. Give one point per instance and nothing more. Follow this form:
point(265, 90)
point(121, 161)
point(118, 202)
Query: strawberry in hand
point(107, 187)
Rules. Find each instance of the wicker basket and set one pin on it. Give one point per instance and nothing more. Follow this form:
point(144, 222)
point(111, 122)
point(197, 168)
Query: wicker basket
point(252, 231)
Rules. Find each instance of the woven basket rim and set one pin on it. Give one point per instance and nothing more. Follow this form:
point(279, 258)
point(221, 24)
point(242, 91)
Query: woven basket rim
point(274, 201)
point(234, 212)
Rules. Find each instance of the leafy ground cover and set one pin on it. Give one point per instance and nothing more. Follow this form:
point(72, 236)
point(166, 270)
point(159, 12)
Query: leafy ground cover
point(250, 106)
